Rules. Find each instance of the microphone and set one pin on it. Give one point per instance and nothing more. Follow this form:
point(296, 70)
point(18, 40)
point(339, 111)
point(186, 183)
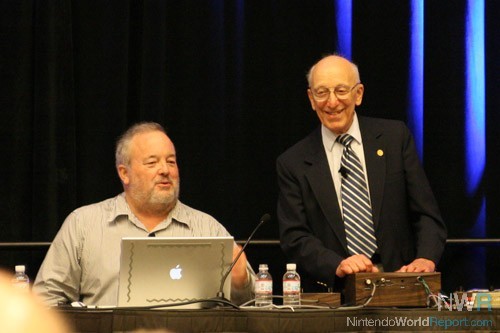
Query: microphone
point(266, 217)
point(344, 171)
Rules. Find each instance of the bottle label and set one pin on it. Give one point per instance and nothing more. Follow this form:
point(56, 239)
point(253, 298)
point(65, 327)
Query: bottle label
point(291, 286)
point(264, 287)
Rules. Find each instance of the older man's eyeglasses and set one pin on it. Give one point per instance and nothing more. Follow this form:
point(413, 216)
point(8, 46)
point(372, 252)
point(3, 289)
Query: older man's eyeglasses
point(341, 92)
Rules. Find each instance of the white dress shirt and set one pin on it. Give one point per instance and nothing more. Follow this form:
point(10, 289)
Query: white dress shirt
point(334, 151)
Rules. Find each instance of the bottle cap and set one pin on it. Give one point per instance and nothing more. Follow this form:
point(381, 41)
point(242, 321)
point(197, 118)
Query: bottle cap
point(263, 267)
point(291, 267)
point(20, 268)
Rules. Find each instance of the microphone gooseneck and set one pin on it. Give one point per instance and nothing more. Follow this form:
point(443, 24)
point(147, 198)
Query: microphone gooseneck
point(266, 217)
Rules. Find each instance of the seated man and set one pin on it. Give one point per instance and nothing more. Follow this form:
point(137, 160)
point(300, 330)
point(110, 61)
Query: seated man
point(82, 263)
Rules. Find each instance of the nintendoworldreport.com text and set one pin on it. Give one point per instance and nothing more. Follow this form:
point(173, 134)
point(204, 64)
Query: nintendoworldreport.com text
point(430, 321)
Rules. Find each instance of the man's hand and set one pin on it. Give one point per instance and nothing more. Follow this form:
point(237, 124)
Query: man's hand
point(355, 264)
point(419, 265)
point(239, 277)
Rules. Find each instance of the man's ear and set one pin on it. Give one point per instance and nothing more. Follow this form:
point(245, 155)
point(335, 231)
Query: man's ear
point(359, 94)
point(123, 174)
point(311, 99)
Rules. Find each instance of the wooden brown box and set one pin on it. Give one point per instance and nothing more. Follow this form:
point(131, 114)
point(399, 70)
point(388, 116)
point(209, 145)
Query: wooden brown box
point(330, 299)
point(392, 289)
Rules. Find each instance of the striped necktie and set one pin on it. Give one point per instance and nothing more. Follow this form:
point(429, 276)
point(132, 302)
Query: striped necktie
point(356, 205)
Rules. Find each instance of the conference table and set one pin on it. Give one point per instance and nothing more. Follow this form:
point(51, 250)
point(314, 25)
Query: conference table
point(283, 320)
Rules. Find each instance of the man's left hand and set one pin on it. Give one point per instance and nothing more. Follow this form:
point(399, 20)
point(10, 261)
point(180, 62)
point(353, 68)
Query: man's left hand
point(419, 265)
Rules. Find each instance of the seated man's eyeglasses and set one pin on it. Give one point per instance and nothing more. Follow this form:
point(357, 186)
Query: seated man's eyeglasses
point(321, 94)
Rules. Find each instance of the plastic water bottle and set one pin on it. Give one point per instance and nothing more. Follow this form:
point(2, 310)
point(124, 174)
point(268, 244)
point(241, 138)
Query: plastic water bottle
point(21, 280)
point(263, 287)
point(291, 286)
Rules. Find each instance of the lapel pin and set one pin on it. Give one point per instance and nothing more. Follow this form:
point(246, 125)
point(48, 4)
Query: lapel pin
point(380, 152)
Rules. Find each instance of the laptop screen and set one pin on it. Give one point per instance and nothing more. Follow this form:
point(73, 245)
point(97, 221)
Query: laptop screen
point(166, 270)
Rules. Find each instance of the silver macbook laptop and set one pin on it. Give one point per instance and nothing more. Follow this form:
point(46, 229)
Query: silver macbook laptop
point(166, 270)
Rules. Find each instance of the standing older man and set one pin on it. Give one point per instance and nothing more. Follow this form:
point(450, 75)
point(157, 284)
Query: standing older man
point(353, 195)
point(82, 263)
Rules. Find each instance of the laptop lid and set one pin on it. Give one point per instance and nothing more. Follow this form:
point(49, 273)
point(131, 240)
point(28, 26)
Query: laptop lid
point(166, 270)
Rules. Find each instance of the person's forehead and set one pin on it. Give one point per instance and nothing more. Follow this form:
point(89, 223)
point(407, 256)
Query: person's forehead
point(152, 142)
point(332, 71)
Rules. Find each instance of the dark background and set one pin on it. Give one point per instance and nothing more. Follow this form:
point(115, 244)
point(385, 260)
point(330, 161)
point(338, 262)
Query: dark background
point(227, 80)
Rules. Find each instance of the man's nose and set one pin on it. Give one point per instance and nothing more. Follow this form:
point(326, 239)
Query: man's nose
point(163, 168)
point(332, 99)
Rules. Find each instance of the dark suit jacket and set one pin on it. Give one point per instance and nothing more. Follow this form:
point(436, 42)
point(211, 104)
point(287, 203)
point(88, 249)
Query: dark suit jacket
point(407, 220)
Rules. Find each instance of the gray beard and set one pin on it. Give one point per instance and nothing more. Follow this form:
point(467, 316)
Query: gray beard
point(162, 204)
point(156, 202)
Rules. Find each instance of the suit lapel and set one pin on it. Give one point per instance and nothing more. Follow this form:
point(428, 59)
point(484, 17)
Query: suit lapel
point(320, 180)
point(374, 151)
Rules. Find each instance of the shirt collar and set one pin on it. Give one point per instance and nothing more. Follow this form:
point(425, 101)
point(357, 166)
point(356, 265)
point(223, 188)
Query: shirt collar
point(121, 208)
point(178, 214)
point(329, 138)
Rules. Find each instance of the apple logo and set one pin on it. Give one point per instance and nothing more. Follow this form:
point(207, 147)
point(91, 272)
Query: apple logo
point(176, 273)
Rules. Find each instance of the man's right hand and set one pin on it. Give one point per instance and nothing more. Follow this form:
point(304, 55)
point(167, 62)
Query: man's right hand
point(355, 264)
